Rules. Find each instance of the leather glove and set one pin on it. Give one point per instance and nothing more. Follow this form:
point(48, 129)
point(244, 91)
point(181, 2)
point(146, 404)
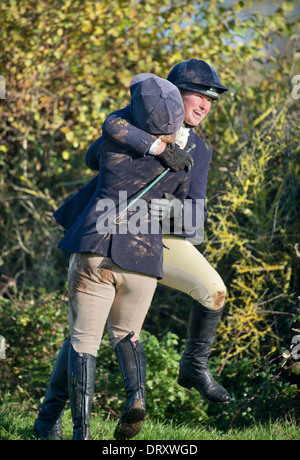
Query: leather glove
point(168, 207)
point(176, 158)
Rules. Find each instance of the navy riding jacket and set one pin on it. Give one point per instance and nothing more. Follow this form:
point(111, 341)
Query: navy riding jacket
point(94, 219)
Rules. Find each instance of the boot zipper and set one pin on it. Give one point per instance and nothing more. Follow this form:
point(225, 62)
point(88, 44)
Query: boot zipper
point(137, 363)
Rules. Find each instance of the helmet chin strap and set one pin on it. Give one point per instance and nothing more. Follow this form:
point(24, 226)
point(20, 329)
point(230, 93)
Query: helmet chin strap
point(189, 126)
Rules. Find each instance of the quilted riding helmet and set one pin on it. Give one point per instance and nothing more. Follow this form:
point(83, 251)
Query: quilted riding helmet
point(156, 104)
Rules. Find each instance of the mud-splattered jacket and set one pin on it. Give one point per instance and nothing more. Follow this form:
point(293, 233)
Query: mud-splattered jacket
point(94, 219)
point(118, 127)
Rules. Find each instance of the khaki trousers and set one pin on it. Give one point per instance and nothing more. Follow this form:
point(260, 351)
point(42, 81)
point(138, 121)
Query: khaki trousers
point(100, 292)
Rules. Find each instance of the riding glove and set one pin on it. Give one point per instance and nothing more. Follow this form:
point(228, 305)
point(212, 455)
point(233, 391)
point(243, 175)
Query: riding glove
point(176, 158)
point(168, 207)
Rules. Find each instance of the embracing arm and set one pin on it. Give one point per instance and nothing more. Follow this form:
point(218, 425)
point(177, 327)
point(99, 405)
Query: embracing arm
point(119, 128)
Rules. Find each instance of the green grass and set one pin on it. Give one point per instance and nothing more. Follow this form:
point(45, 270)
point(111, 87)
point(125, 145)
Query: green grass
point(19, 426)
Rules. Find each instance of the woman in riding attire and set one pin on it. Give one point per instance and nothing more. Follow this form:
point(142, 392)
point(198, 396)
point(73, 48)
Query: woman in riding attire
point(113, 269)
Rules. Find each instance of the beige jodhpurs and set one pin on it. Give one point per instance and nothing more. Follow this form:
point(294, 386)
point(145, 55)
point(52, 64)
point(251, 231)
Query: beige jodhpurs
point(100, 292)
point(186, 270)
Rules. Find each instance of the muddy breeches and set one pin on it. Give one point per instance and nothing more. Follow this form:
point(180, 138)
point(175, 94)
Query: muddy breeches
point(187, 270)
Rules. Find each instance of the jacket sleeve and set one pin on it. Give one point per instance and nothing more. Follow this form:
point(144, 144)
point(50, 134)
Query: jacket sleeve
point(119, 128)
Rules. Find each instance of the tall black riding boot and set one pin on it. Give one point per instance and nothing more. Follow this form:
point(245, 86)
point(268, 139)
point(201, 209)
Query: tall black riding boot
point(132, 361)
point(81, 379)
point(194, 371)
point(48, 424)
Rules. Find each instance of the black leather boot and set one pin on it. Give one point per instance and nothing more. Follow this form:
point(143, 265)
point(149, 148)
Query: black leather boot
point(48, 424)
point(194, 371)
point(81, 380)
point(132, 361)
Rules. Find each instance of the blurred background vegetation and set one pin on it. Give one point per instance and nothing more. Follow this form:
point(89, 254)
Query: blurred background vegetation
point(67, 65)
